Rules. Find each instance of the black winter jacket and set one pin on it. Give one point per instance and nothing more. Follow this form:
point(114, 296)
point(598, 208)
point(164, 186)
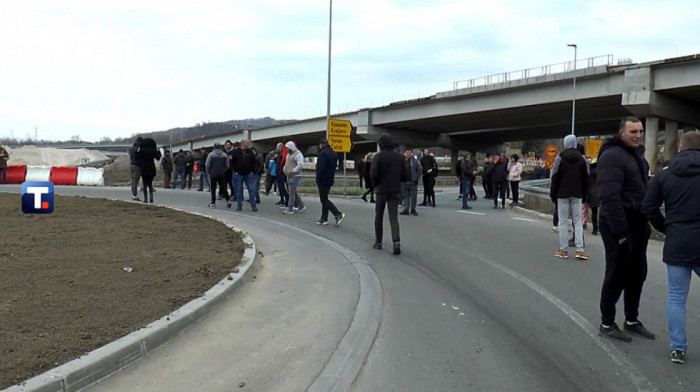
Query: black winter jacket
point(243, 161)
point(622, 178)
point(500, 171)
point(571, 179)
point(678, 186)
point(388, 171)
point(325, 166)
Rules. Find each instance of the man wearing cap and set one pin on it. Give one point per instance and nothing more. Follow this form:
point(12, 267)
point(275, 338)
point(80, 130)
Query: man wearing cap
point(325, 177)
point(622, 177)
point(388, 172)
point(568, 189)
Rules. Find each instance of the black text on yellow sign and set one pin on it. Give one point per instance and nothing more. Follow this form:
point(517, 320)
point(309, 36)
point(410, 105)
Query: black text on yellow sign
point(340, 143)
point(339, 128)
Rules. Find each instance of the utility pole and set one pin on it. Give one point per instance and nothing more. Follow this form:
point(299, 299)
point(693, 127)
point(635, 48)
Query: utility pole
point(573, 102)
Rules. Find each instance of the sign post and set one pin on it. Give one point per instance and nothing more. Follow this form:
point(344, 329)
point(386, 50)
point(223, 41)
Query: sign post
point(339, 140)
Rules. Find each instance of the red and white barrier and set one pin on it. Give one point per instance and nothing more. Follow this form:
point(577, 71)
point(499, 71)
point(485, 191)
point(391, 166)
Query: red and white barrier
point(58, 175)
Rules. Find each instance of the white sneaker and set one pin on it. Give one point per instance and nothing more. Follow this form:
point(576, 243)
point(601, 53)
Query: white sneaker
point(555, 229)
point(300, 210)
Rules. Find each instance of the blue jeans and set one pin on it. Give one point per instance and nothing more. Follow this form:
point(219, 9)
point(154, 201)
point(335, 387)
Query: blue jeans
point(203, 177)
point(179, 172)
point(238, 180)
point(570, 206)
point(466, 185)
point(678, 288)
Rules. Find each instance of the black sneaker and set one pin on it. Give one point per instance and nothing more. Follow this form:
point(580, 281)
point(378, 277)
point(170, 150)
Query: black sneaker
point(405, 212)
point(678, 356)
point(255, 208)
point(339, 219)
point(397, 248)
point(135, 198)
point(377, 245)
point(239, 208)
point(615, 333)
point(638, 329)
point(414, 213)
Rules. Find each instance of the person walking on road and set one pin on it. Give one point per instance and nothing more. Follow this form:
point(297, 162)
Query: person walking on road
point(676, 186)
point(189, 168)
point(367, 168)
point(243, 160)
point(292, 169)
point(167, 165)
point(388, 173)
point(134, 166)
point(468, 170)
point(499, 177)
point(568, 189)
point(410, 187)
point(622, 177)
point(429, 165)
point(486, 173)
point(180, 163)
point(147, 154)
point(216, 166)
point(4, 156)
point(202, 167)
point(594, 194)
point(325, 177)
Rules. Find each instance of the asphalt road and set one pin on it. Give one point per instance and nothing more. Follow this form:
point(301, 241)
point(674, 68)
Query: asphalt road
point(476, 302)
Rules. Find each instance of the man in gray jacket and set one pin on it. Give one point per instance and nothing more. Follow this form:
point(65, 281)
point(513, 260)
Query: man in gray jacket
point(217, 164)
point(410, 188)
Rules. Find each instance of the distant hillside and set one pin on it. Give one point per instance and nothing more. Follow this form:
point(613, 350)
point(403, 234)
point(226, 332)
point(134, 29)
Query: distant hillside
point(210, 129)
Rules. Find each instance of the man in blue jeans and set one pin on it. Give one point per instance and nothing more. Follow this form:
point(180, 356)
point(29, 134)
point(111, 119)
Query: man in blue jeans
point(677, 186)
point(468, 171)
point(243, 161)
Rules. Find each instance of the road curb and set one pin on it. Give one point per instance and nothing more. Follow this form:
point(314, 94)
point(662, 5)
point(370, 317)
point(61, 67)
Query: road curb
point(121, 353)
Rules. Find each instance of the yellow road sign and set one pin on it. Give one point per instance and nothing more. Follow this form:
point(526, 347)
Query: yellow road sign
point(551, 151)
point(339, 127)
point(549, 163)
point(340, 143)
point(592, 147)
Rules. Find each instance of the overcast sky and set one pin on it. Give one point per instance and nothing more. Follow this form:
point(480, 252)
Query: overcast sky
point(115, 68)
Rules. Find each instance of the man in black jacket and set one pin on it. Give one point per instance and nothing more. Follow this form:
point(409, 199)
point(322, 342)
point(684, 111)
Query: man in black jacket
point(429, 165)
point(388, 172)
point(568, 189)
point(468, 170)
point(622, 178)
point(243, 161)
point(325, 177)
point(167, 164)
point(499, 179)
point(135, 167)
point(677, 186)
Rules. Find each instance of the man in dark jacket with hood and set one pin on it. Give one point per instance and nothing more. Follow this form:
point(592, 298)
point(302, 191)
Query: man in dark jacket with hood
point(677, 186)
point(622, 177)
point(568, 189)
point(388, 172)
point(325, 177)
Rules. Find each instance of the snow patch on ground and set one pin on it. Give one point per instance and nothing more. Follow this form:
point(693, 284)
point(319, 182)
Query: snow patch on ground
point(51, 156)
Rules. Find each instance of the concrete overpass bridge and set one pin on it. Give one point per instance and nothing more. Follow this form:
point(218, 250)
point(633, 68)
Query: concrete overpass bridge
point(502, 108)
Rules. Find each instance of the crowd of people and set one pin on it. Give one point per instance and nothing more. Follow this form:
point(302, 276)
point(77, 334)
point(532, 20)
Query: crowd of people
point(615, 185)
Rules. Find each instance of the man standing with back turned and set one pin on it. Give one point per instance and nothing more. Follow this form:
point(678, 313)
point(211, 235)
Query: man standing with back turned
point(622, 178)
point(677, 186)
point(325, 177)
point(388, 172)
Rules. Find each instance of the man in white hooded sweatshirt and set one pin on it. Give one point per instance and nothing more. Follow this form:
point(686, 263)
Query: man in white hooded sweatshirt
point(292, 169)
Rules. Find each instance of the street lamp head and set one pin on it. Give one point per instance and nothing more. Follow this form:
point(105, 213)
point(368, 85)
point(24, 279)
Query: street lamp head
point(571, 45)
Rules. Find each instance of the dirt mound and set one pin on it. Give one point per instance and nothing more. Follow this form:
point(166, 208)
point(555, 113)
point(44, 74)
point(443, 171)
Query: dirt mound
point(50, 156)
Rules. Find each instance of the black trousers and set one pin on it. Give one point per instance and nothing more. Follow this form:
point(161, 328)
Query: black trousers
point(428, 187)
point(326, 204)
point(514, 187)
point(625, 267)
point(499, 189)
point(392, 201)
point(221, 182)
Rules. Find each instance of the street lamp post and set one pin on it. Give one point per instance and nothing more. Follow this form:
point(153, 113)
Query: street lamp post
point(573, 102)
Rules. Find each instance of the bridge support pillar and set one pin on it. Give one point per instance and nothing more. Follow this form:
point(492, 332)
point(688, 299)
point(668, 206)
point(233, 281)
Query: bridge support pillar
point(454, 158)
point(670, 140)
point(651, 135)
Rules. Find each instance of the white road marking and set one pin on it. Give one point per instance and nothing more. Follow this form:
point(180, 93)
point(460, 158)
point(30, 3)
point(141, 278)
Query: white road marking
point(525, 219)
point(473, 213)
point(641, 383)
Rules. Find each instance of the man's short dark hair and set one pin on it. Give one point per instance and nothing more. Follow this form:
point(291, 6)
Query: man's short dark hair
point(690, 141)
point(627, 119)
